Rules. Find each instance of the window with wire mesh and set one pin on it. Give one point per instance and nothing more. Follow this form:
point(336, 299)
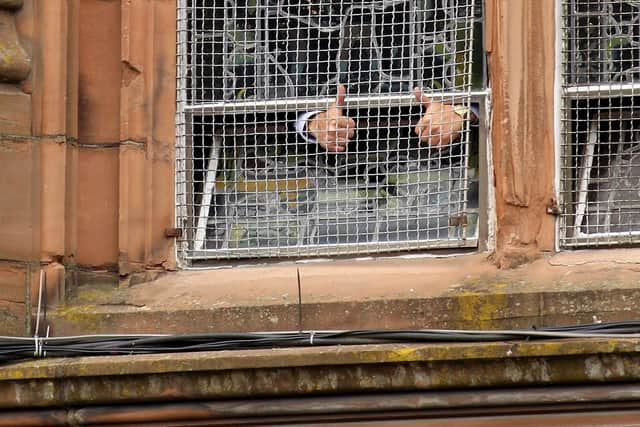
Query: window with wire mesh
point(600, 156)
point(252, 182)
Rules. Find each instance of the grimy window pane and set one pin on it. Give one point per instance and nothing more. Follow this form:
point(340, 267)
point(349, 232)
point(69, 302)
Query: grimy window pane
point(251, 179)
point(600, 158)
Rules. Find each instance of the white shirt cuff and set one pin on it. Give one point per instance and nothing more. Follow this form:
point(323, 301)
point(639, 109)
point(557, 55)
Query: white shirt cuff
point(301, 125)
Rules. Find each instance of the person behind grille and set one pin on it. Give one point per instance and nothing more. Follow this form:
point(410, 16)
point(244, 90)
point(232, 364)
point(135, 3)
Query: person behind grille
point(440, 125)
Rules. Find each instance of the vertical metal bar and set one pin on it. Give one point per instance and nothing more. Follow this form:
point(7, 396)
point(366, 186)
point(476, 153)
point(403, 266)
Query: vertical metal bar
point(585, 174)
point(181, 185)
point(208, 195)
point(188, 222)
point(484, 182)
point(560, 47)
point(468, 46)
point(192, 36)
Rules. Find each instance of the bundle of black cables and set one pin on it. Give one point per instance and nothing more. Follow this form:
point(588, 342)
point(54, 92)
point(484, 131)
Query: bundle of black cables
point(17, 348)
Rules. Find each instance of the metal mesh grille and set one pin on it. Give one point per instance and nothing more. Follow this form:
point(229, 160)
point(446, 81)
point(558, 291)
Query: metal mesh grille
point(600, 157)
point(250, 183)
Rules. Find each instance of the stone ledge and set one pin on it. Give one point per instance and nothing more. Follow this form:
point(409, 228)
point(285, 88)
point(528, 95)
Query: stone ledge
point(464, 292)
point(306, 357)
point(314, 371)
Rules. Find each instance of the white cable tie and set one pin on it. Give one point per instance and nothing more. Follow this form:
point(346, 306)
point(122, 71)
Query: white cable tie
point(36, 343)
point(38, 347)
point(44, 352)
point(311, 334)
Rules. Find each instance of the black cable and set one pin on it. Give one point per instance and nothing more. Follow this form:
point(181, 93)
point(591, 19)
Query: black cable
point(17, 348)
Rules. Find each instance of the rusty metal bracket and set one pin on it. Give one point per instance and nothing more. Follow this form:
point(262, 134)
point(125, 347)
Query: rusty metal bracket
point(170, 233)
point(553, 208)
point(459, 220)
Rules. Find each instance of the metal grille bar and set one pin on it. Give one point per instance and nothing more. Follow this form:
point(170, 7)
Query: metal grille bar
point(600, 158)
point(383, 101)
point(252, 182)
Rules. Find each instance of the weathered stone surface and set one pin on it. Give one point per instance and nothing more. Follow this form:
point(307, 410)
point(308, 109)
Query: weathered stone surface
point(13, 303)
point(115, 315)
point(53, 285)
point(462, 292)
point(13, 318)
point(15, 64)
point(226, 301)
point(161, 149)
point(313, 371)
point(54, 197)
point(19, 199)
point(99, 71)
point(132, 213)
point(55, 84)
point(13, 282)
point(147, 116)
point(15, 111)
point(96, 207)
point(434, 408)
point(521, 44)
point(137, 73)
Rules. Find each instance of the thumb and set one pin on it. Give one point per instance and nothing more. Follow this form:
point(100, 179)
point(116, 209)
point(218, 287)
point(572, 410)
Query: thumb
point(421, 97)
point(342, 93)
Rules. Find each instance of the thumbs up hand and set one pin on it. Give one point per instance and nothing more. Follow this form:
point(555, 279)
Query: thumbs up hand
point(440, 124)
point(332, 129)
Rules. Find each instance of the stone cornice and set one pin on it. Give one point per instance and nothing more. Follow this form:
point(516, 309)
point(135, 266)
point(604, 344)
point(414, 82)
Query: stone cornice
point(15, 63)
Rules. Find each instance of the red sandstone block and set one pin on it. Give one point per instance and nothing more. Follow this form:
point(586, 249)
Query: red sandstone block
point(96, 207)
point(19, 201)
point(12, 302)
point(134, 207)
point(15, 111)
point(99, 72)
point(54, 191)
point(53, 286)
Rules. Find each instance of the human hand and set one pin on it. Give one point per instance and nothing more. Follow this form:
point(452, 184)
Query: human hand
point(440, 125)
point(332, 129)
